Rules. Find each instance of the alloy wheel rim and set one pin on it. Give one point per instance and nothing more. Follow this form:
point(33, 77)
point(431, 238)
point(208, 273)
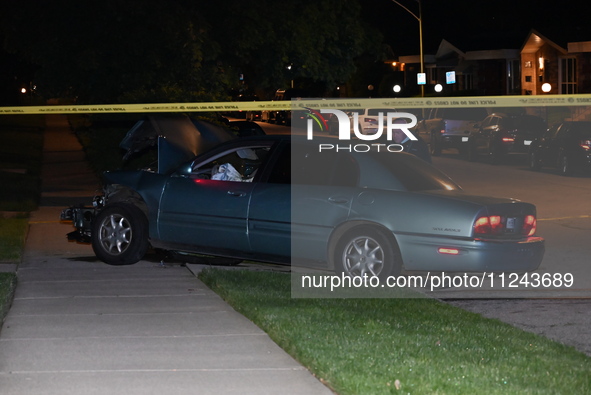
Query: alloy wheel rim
point(363, 256)
point(115, 234)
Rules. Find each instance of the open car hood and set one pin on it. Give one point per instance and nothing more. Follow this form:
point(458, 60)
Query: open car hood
point(178, 137)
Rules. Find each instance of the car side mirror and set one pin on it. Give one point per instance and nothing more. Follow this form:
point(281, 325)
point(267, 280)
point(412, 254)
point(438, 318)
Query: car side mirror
point(184, 170)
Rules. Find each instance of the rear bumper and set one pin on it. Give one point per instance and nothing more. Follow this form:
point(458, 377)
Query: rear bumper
point(454, 140)
point(473, 255)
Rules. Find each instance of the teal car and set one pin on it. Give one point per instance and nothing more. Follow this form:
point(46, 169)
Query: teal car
point(282, 199)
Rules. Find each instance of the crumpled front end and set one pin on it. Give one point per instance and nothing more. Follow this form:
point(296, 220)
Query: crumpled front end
point(82, 218)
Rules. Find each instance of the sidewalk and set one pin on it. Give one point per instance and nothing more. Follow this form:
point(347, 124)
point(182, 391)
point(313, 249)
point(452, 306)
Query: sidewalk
point(79, 326)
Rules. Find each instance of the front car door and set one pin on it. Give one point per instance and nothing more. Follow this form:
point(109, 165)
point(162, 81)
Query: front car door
point(206, 210)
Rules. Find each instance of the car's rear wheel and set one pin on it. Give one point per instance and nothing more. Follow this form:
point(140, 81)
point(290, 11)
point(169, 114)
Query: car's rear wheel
point(120, 234)
point(435, 145)
point(534, 161)
point(367, 251)
point(494, 153)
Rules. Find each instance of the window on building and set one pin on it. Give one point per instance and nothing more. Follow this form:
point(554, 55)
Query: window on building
point(466, 81)
point(431, 75)
point(568, 76)
point(513, 76)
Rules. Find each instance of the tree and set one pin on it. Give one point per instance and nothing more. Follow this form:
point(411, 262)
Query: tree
point(275, 43)
point(182, 50)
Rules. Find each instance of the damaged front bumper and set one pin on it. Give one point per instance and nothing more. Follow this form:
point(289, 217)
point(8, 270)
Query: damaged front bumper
point(82, 217)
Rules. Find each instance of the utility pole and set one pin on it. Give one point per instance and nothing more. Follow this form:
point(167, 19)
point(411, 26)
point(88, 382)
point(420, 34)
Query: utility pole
point(418, 17)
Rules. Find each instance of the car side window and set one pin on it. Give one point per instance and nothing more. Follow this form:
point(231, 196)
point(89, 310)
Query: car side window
point(239, 165)
point(310, 167)
point(281, 170)
point(559, 132)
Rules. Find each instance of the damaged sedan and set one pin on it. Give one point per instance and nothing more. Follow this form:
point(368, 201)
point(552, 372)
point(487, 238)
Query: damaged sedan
point(278, 199)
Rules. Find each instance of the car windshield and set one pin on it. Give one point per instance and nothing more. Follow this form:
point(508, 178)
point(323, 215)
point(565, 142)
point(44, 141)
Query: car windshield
point(415, 174)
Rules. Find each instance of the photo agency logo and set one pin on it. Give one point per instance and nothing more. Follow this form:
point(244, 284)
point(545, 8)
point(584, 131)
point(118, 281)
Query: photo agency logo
point(393, 128)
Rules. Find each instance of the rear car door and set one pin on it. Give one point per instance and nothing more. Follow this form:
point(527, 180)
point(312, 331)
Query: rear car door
point(306, 195)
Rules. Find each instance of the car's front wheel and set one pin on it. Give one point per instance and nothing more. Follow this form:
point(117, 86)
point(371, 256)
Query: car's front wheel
point(367, 251)
point(564, 164)
point(120, 234)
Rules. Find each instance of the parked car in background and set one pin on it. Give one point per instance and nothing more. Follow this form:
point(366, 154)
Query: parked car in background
point(449, 127)
point(283, 117)
point(500, 134)
point(245, 128)
point(247, 115)
point(368, 120)
point(279, 199)
point(565, 146)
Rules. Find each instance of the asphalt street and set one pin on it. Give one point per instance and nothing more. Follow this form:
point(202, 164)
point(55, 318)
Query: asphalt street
point(564, 220)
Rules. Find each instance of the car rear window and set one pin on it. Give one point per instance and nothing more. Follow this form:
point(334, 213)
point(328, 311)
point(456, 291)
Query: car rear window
point(581, 130)
point(309, 167)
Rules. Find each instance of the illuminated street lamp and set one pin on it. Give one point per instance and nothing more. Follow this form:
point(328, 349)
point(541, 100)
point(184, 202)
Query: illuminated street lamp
point(419, 18)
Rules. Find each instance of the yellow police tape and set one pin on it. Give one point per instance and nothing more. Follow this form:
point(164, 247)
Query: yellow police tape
point(343, 104)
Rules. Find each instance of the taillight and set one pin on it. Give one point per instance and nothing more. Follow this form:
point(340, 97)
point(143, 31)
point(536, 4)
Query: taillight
point(585, 144)
point(508, 139)
point(488, 225)
point(495, 225)
point(371, 120)
point(529, 225)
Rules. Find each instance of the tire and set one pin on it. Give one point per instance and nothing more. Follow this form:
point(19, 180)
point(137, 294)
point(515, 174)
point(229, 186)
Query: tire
point(434, 145)
point(534, 161)
point(493, 153)
point(564, 165)
point(367, 251)
point(120, 234)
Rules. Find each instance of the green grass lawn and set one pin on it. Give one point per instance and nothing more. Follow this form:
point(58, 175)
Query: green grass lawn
point(421, 346)
point(20, 168)
point(12, 238)
point(7, 286)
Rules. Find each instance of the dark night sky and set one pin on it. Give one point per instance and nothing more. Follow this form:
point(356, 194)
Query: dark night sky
point(478, 25)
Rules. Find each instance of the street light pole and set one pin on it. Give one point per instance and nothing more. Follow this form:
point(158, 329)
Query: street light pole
point(419, 18)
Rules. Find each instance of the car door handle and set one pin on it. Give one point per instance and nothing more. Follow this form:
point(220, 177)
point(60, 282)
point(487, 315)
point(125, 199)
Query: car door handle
point(338, 200)
point(237, 193)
